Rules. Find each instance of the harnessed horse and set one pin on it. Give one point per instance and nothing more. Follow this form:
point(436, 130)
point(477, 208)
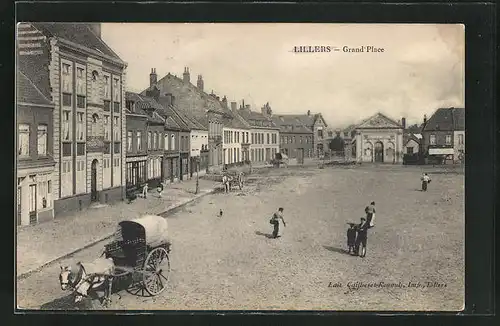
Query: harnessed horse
point(96, 276)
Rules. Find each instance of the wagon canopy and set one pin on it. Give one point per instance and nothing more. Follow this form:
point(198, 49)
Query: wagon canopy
point(152, 228)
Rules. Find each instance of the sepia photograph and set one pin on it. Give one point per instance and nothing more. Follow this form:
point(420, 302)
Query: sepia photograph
point(240, 166)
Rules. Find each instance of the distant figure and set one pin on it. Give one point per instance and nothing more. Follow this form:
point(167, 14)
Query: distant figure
point(275, 220)
point(220, 213)
point(225, 182)
point(370, 214)
point(131, 196)
point(351, 237)
point(425, 181)
point(145, 190)
point(361, 238)
point(160, 189)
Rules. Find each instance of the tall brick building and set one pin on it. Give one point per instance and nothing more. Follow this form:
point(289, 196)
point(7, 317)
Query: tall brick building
point(205, 109)
point(85, 80)
point(295, 139)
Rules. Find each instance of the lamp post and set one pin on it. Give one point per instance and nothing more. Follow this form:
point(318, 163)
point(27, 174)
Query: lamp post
point(197, 178)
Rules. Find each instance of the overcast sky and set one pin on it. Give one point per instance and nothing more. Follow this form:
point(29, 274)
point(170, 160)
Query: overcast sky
point(421, 68)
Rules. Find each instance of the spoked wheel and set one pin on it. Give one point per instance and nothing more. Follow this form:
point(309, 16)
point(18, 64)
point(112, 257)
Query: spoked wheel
point(156, 271)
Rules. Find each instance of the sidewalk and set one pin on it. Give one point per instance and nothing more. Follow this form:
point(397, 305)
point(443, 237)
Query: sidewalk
point(43, 243)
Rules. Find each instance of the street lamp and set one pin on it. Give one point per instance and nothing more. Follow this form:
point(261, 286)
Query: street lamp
point(197, 177)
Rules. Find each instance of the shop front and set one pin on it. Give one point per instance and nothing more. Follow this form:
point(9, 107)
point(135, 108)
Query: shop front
point(35, 201)
point(136, 172)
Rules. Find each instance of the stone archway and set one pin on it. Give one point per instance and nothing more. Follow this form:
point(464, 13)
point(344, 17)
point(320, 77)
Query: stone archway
point(379, 152)
point(367, 155)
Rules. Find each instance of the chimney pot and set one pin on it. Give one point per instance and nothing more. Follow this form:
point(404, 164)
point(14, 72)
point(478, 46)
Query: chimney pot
point(234, 106)
point(308, 112)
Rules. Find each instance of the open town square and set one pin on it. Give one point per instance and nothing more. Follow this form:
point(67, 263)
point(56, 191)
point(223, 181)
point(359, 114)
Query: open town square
point(231, 261)
point(171, 166)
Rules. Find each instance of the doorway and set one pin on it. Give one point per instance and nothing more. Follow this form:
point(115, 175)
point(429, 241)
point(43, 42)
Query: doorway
point(93, 182)
point(32, 212)
point(379, 152)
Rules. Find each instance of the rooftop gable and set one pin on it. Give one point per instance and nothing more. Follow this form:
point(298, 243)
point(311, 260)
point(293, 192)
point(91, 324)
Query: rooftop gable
point(379, 121)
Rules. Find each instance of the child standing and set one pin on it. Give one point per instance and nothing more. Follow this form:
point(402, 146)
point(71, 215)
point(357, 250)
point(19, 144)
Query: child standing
point(351, 237)
point(425, 181)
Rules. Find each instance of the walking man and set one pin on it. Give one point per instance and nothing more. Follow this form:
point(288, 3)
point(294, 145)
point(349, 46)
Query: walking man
point(145, 190)
point(225, 183)
point(425, 181)
point(370, 213)
point(276, 220)
point(361, 238)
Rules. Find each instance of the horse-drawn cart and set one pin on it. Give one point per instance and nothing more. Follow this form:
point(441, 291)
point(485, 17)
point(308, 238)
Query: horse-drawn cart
point(139, 251)
point(141, 246)
point(233, 179)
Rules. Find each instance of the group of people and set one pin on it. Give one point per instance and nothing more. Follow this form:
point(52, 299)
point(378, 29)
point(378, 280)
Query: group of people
point(357, 234)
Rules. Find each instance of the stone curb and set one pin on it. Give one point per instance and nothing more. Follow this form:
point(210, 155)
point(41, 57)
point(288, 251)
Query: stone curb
point(73, 252)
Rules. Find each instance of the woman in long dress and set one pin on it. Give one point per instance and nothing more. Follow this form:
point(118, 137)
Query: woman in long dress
point(279, 223)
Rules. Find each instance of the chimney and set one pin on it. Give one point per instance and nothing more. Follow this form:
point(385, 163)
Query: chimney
point(403, 123)
point(153, 78)
point(199, 83)
point(95, 28)
point(234, 106)
point(185, 75)
point(308, 112)
point(224, 101)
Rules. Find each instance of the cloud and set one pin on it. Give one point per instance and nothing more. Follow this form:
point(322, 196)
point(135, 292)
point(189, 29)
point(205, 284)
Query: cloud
point(421, 69)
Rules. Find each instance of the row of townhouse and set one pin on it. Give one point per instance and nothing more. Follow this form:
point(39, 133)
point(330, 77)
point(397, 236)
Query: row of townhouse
point(235, 135)
point(70, 120)
point(82, 139)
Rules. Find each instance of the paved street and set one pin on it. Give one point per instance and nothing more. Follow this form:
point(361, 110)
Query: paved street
point(229, 262)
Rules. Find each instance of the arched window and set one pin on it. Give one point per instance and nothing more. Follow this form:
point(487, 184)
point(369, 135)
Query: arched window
point(94, 127)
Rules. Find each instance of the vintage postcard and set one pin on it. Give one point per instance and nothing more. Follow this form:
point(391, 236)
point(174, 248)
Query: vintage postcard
point(254, 166)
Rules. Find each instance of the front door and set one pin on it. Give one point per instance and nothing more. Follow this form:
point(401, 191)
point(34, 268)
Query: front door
point(18, 206)
point(32, 212)
point(93, 181)
point(379, 152)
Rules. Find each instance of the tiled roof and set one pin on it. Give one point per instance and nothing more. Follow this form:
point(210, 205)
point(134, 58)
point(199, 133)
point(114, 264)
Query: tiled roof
point(252, 116)
point(143, 104)
point(282, 121)
point(235, 120)
point(410, 136)
point(190, 120)
point(27, 92)
point(78, 33)
point(446, 119)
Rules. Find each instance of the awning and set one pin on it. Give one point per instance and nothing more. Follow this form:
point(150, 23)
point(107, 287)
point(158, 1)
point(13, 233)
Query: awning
point(441, 151)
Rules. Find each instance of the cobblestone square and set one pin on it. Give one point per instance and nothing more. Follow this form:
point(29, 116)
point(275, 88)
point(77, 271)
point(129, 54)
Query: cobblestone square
point(228, 262)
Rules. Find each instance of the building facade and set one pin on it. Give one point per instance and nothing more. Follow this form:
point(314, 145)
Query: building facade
point(136, 155)
point(86, 81)
point(204, 108)
point(264, 134)
point(35, 161)
point(443, 135)
point(295, 139)
point(379, 139)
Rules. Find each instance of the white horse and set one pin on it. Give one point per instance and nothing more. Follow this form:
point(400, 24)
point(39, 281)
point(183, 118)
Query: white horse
point(94, 276)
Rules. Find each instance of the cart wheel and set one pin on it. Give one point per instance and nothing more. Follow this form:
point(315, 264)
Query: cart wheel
point(156, 271)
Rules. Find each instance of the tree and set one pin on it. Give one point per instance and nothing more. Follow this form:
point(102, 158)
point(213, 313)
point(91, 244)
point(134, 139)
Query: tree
point(336, 144)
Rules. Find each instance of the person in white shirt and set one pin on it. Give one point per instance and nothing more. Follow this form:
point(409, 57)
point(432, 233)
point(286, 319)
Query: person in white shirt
point(425, 181)
point(145, 191)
